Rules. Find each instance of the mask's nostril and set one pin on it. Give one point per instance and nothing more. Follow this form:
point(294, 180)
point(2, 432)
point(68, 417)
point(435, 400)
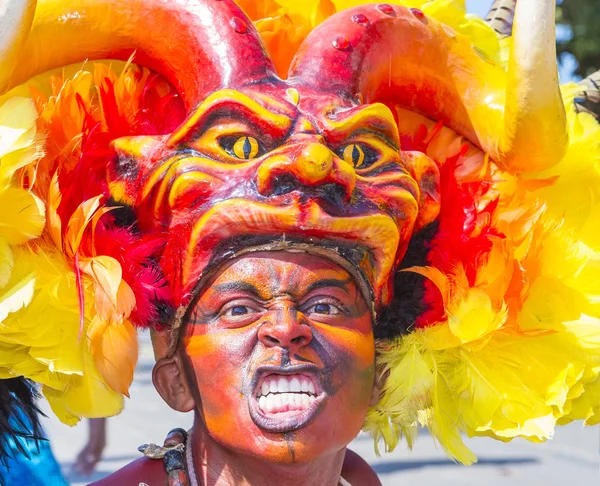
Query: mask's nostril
point(284, 184)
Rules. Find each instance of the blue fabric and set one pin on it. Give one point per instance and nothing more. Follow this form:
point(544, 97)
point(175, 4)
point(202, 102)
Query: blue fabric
point(39, 469)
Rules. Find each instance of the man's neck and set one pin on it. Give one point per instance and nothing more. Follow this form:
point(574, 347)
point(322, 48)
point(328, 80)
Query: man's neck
point(218, 466)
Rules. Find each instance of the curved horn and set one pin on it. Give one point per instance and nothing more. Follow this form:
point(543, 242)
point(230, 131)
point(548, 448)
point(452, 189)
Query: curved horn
point(398, 55)
point(589, 100)
point(15, 22)
point(198, 45)
point(535, 136)
point(501, 15)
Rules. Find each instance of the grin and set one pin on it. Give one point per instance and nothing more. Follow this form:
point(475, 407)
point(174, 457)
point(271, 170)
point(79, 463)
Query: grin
point(286, 398)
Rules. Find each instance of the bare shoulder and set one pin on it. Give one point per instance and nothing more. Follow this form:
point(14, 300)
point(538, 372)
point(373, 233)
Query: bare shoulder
point(143, 470)
point(357, 471)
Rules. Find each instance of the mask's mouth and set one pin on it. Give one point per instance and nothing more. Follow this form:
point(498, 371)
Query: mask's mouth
point(370, 241)
point(286, 398)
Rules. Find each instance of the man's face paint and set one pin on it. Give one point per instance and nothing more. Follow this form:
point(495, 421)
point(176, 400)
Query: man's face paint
point(282, 350)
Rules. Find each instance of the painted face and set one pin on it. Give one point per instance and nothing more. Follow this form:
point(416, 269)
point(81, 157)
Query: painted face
point(282, 351)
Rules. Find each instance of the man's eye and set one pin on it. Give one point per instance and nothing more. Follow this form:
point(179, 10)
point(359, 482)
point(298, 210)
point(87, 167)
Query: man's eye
point(325, 309)
point(244, 147)
point(238, 310)
point(359, 155)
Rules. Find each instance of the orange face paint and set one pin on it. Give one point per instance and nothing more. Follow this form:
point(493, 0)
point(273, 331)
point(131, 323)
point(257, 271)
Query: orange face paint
point(271, 316)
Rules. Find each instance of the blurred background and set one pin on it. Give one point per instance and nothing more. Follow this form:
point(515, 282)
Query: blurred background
point(572, 457)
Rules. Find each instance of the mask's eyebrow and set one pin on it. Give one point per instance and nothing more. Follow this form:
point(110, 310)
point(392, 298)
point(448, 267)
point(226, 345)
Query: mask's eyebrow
point(234, 104)
point(376, 118)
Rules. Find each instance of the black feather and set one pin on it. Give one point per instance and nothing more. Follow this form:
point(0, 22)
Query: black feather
point(400, 315)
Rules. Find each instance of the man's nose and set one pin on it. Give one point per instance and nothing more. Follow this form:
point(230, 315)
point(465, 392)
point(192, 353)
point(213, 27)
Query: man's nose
point(284, 329)
point(307, 165)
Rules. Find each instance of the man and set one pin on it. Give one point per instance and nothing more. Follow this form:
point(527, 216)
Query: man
point(391, 206)
point(277, 361)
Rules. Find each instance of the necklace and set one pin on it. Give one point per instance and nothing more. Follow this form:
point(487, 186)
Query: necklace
point(189, 459)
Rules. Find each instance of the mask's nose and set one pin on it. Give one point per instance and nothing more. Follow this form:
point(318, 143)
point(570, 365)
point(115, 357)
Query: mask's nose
point(307, 165)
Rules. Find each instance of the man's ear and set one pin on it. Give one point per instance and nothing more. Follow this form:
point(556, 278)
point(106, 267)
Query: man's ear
point(170, 381)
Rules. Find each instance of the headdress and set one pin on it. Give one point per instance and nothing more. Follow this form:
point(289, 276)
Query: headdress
point(434, 156)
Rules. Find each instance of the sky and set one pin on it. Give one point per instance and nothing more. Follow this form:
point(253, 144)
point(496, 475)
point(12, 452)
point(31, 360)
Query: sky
point(567, 64)
point(479, 7)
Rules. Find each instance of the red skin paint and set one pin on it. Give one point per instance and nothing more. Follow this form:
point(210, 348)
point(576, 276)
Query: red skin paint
point(283, 322)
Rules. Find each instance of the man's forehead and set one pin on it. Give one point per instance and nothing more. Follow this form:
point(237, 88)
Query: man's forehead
point(281, 273)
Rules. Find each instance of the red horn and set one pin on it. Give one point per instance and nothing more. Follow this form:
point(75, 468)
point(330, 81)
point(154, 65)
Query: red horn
point(198, 45)
point(393, 54)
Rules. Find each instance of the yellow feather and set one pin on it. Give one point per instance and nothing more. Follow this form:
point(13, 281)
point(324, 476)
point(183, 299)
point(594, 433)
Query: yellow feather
point(78, 223)
point(83, 396)
point(22, 215)
point(473, 317)
point(17, 296)
point(106, 273)
point(7, 263)
point(54, 221)
point(17, 125)
point(115, 350)
point(47, 350)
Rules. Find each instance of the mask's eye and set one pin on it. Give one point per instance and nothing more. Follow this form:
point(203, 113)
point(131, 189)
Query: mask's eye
point(358, 155)
point(243, 147)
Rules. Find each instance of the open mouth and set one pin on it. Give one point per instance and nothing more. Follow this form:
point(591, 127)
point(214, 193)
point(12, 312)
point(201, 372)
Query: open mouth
point(286, 398)
point(238, 218)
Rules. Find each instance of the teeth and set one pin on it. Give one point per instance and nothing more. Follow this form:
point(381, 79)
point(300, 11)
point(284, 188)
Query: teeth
point(270, 403)
point(283, 385)
point(285, 402)
point(305, 401)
